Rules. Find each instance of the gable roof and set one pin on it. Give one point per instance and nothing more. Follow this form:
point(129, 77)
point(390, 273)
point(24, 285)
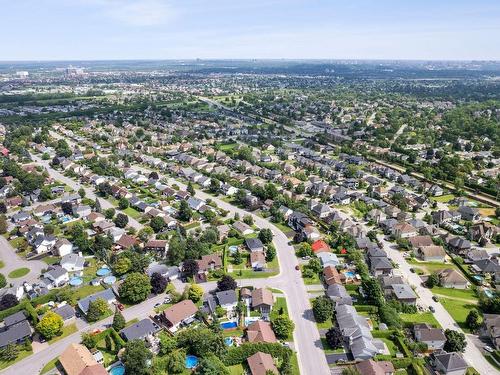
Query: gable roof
point(138, 330)
point(451, 361)
point(180, 311)
point(260, 363)
point(262, 296)
point(75, 359)
point(260, 331)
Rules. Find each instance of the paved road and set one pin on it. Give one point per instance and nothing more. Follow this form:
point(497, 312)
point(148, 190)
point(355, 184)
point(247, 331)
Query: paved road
point(75, 185)
point(13, 261)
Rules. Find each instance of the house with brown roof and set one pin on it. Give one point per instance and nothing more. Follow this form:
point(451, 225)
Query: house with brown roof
point(157, 246)
point(404, 230)
point(261, 364)
point(419, 241)
point(434, 338)
point(371, 367)
point(260, 331)
point(262, 300)
point(431, 253)
point(126, 242)
point(450, 278)
point(332, 276)
point(181, 313)
point(209, 262)
point(77, 360)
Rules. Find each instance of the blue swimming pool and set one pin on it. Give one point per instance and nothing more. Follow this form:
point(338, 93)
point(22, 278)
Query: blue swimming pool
point(117, 370)
point(191, 361)
point(350, 274)
point(229, 341)
point(228, 325)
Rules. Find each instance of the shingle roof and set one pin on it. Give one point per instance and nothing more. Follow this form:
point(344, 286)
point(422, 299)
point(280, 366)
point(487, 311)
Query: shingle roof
point(138, 330)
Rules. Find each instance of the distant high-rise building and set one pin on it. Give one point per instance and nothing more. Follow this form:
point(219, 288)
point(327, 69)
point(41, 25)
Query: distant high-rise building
point(22, 74)
point(74, 71)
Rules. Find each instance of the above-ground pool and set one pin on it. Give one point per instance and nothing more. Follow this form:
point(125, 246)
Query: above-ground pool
point(228, 325)
point(76, 281)
point(229, 341)
point(191, 362)
point(488, 293)
point(103, 271)
point(233, 249)
point(110, 280)
point(117, 370)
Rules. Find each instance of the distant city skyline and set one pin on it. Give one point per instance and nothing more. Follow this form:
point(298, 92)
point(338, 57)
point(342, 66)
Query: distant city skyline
point(259, 29)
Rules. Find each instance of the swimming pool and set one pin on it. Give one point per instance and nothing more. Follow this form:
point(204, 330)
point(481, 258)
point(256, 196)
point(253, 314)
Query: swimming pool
point(76, 281)
point(350, 274)
point(117, 370)
point(191, 361)
point(250, 320)
point(103, 272)
point(229, 341)
point(228, 325)
point(488, 293)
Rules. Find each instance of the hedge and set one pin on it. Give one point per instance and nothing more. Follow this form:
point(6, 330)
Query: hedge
point(238, 355)
point(401, 362)
point(404, 349)
point(367, 308)
point(32, 313)
point(114, 335)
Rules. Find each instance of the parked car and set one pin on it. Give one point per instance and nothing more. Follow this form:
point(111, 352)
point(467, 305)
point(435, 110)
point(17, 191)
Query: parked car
point(432, 309)
point(412, 270)
point(297, 267)
point(488, 349)
point(435, 298)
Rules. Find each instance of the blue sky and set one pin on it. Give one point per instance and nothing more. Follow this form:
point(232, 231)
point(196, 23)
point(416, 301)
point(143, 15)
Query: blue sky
point(168, 29)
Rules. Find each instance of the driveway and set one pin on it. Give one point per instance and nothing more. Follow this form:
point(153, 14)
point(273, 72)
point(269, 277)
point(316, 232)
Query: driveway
point(334, 357)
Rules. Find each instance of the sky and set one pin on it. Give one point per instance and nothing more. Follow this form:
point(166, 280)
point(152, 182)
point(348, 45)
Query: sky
point(261, 29)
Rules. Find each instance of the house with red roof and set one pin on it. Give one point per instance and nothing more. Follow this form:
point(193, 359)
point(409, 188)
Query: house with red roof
point(320, 246)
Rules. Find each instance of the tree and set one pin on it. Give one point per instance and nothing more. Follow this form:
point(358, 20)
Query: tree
point(432, 280)
point(176, 362)
point(82, 192)
point(167, 343)
point(97, 205)
point(211, 365)
point(157, 223)
point(389, 315)
point(104, 189)
point(158, 283)
point(305, 250)
point(123, 203)
point(195, 292)
point(109, 213)
point(3, 208)
point(266, 236)
point(185, 213)
point(89, 339)
point(97, 309)
point(282, 326)
point(202, 342)
point(118, 321)
point(248, 220)
point(350, 370)
point(270, 253)
point(334, 338)
point(122, 265)
point(145, 233)
point(190, 189)
point(8, 300)
point(473, 320)
point(136, 358)
point(322, 309)
point(45, 194)
point(67, 208)
point(50, 325)
point(154, 175)
point(3, 281)
point(455, 341)
point(3, 225)
point(136, 287)
point(9, 352)
point(176, 250)
point(121, 220)
point(190, 267)
point(372, 289)
point(226, 283)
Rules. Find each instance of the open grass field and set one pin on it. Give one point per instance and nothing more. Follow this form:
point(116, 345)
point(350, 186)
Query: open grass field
point(66, 331)
point(443, 198)
point(458, 310)
point(134, 214)
point(430, 267)
point(465, 294)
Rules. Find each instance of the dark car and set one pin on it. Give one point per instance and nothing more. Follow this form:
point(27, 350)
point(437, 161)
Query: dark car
point(435, 298)
point(412, 270)
point(432, 309)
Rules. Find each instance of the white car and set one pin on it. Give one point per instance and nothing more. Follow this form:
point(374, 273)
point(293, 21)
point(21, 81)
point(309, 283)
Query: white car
point(488, 349)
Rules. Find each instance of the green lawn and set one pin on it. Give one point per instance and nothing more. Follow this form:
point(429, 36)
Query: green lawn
point(250, 274)
point(49, 366)
point(51, 260)
point(325, 325)
point(85, 290)
point(22, 354)
point(426, 317)
point(133, 213)
point(467, 294)
point(66, 331)
point(2, 264)
point(236, 370)
point(443, 198)
point(192, 225)
point(431, 267)
point(20, 272)
point(458, 310)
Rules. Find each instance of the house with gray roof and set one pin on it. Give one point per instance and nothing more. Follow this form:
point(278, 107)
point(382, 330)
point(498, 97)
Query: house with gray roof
point(15, 333)
point(106, 295)
point(404, 293)
point(228, 300)
point(450, 363)
point(139, 330)
point(67, 312)
point(338, 294)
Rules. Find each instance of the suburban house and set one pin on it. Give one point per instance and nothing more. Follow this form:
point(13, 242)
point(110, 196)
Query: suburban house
point(139, 330)
point(73, 262)
point(257, 260)
point(434, 338)
point(404, 294)
point(431, 253)
point(469, 213)
point(262, 364)
point(57, 275)
point(419, 241)
point(157, 246)
point(181, 313)
point(450, 278)
point(260, 331)
point(67, 312)
point(254, 244)
point(242, 228)
point(262, 301)
point(404, 230)
point(338, 294)
point(77, 360)
point(371, 367)
point(320, 246)
point(328, 259)
point(228, 301)
point(491, 328)
point(332, 276)
point(450, 363)
point(106, 295)
point(16, 329)
point(62, 247)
